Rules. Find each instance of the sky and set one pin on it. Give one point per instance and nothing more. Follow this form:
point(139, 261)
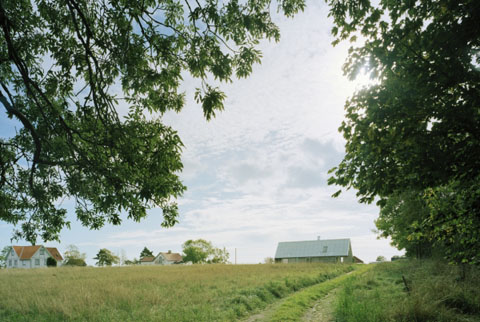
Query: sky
point(257, 173)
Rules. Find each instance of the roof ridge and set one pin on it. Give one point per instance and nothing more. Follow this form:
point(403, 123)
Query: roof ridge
point(21, 252)
point(313, 240)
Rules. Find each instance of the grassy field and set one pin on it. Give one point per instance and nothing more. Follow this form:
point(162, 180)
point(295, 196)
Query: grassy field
point(176, 293)
point(434, 291)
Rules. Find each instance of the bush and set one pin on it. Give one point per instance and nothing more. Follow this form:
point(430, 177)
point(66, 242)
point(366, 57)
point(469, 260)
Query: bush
point(51, 262)
point(75, 262)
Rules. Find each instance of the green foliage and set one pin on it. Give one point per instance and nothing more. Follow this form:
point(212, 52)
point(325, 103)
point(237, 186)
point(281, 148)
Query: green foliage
point(417, 128)
point(3, 256)
point(441, 221)
point(202, 251)
point(401, 219)
point(453, 223)
point(381, 258)
point(146, 253)
point(219, 256)
point(75, 262)
point(75, 138)
point(51, 262)
point(106, 258)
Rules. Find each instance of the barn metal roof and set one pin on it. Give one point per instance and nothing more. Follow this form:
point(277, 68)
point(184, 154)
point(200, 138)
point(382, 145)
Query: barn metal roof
point(313, 248)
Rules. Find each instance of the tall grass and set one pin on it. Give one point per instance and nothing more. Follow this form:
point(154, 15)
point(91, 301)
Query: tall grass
point(152, 293)
point(434, 291)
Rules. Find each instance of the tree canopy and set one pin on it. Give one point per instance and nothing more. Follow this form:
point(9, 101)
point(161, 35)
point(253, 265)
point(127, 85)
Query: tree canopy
point(146, 253)
point(106, 258)
point(202, 251)
point(88, 82)
point(417, 128)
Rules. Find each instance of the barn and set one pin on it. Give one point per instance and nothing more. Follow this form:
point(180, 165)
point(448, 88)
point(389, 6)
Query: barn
point(314, 251)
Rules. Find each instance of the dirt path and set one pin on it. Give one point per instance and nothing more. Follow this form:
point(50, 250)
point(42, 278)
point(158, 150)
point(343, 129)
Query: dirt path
point(265, 314)
point(323, 310)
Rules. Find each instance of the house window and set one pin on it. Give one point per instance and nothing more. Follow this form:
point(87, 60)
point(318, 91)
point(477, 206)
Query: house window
point(24, 263)
point(325, 248)
point(42, 251)
point(10, 262)
point(15, 262)
point(37, 261)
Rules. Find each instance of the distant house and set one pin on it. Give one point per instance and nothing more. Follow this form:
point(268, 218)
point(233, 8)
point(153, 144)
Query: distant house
point(313, 251)
point(168, 258)
point(162, 258)
point(147, 260)
point(31, 256)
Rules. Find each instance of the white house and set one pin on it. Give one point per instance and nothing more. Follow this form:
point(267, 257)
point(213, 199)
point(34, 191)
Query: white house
point(168, 258)
point(162, 258)
point(31, 256)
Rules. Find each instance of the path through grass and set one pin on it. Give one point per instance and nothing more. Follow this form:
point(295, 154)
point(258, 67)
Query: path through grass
point(295, 306)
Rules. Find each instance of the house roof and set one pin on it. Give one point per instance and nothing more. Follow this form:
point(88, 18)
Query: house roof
point(173, 257)
point(55, 253)
point(26, 252)
point(147, 259)
point(313, 248)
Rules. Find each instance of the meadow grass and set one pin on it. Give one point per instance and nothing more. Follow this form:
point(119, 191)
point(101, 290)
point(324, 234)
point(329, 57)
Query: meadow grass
point(434, 291)
point(152, 293)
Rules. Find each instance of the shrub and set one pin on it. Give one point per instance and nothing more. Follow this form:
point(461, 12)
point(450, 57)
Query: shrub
point(75, 262)
point(51, 262)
